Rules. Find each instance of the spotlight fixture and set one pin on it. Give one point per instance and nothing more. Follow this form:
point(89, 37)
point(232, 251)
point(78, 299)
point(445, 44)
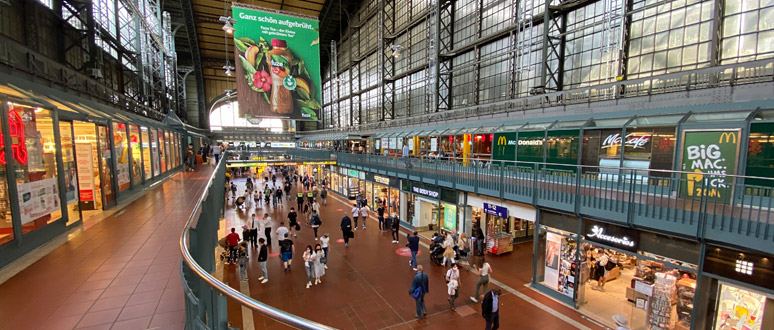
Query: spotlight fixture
point(228, 24)
point(396, 49)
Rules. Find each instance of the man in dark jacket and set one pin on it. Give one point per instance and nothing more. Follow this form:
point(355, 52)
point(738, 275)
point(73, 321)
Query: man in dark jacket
point(346, 228)
point(380, 213)
point(422, 285)
point(395, 226)
point(262, 256)
point(490, 309)
point(413, 245)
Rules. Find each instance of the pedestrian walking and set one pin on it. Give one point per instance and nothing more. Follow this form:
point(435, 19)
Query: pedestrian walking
point(448, 252)
point(316, 223)
point(263, 255)
point(324, 196)
point(309, 257)
point(453, 284)
point(282, 230)
point(319, 263)
point(395, 226)
point(490, 309)
point(420, 286)
point(266, 224)
point(364, 214)
point(483, 277)
point(315, 206)
point(286, 251)
point(324, 243)
point(380, 217)
point(346, 229)
point(355, 214)
point(293, 220)
point(243, 261)
point(232, 241)
point(413, 245)
point(300, 200)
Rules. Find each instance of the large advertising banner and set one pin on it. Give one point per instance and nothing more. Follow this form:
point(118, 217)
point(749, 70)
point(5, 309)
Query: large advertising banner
point(551, 270)
point(504, 146)
point(277, 64)
point(37, 199)
point(84, 161)
point(710, 156)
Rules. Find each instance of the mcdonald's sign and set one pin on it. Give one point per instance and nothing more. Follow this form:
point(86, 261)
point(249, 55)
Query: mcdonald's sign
point(504, 147)
point(710, 156)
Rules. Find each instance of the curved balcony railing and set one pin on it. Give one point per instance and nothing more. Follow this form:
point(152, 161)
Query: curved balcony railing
point(205, 295)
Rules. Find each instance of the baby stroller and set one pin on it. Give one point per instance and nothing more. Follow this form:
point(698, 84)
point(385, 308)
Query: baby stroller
point(225, 256)
point(436, 249)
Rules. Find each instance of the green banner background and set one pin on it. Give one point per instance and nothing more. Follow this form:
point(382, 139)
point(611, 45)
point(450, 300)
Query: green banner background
point(504, 146)
point(261, 68)
point(711, 155)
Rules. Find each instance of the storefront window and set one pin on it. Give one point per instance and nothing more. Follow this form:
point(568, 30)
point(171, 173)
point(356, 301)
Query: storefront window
point(34, 158)
point(448, 216)
point(649, 147)
point(556, 265)
point(562, 147)
point(600, 150)
point(71, 179)
point(136, 151)
point(87, 155)
point(740, 308)
point(122, 156)
point(154, 142)
point(107, 175)
point(162, 151)
point(530, 147)
point(167, 151)
point(6, 224)
point(760, 154)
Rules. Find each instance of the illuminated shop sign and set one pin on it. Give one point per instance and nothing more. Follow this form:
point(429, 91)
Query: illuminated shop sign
point(632, 140)
point(382, 180)
point(425, 192)
point(18, 148)
point(615, 236)
point(531, 142)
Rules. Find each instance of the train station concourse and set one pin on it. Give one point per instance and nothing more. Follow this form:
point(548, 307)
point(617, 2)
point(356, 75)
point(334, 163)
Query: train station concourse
point(387, 164)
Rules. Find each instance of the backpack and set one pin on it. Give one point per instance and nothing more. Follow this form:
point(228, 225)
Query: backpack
point(316, 220)
point(609, 265)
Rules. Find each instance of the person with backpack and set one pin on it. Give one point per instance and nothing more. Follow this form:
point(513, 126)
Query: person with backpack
point(420, 286)
point(603, 266)
point(263, 255)
point(346, 229)
point(287, 249)
point(324, 196)
point(316, 223)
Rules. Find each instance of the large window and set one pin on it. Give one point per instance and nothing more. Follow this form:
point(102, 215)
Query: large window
point(136, 152)
point(34, 159)
point(748, 30)
point(122, 156)
point(671, 37)
point(6, 223)
point(155, 154)
point(146, 153)
point(227, 115)
point(71, 179)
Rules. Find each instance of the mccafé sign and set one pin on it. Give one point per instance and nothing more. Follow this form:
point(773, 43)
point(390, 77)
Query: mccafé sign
point(632, 140)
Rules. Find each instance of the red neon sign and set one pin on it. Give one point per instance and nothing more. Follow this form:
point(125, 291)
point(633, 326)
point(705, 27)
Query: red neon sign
point(121, 126)
point(133, 138)
point(16, 128)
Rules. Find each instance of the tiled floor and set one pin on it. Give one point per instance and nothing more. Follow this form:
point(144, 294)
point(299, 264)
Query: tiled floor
point(366, 285)
point(120, 273)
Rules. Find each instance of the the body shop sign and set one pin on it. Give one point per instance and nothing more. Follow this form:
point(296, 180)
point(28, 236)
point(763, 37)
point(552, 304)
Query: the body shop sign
point(277, 64)
point(709, 156)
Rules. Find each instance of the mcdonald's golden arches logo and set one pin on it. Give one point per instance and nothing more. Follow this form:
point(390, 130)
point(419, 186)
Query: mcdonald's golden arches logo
point(729, 136)
point(502, 141)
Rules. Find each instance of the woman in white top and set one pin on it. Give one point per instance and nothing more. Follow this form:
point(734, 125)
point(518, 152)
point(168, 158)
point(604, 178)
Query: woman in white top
point(309, 257)
point(453, 284)
point(324, 243)
point(355, 215)
point(319, 267)
point(601, 272)
point(483, 277)
point(364, 215)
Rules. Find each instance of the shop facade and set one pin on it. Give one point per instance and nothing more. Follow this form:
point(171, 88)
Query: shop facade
point(382, 191)
point(503, 222)
point(658, 282)
point(61, 159)
point(430, 209)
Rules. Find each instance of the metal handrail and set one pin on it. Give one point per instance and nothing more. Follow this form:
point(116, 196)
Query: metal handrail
point(244, 300)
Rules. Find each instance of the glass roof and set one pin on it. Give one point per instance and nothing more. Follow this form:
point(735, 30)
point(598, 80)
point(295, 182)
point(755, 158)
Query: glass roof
point(718, 116)
point(569, 124)
point(536, 126)
point(610, 122)
point(767, 115)
point(657, 120)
